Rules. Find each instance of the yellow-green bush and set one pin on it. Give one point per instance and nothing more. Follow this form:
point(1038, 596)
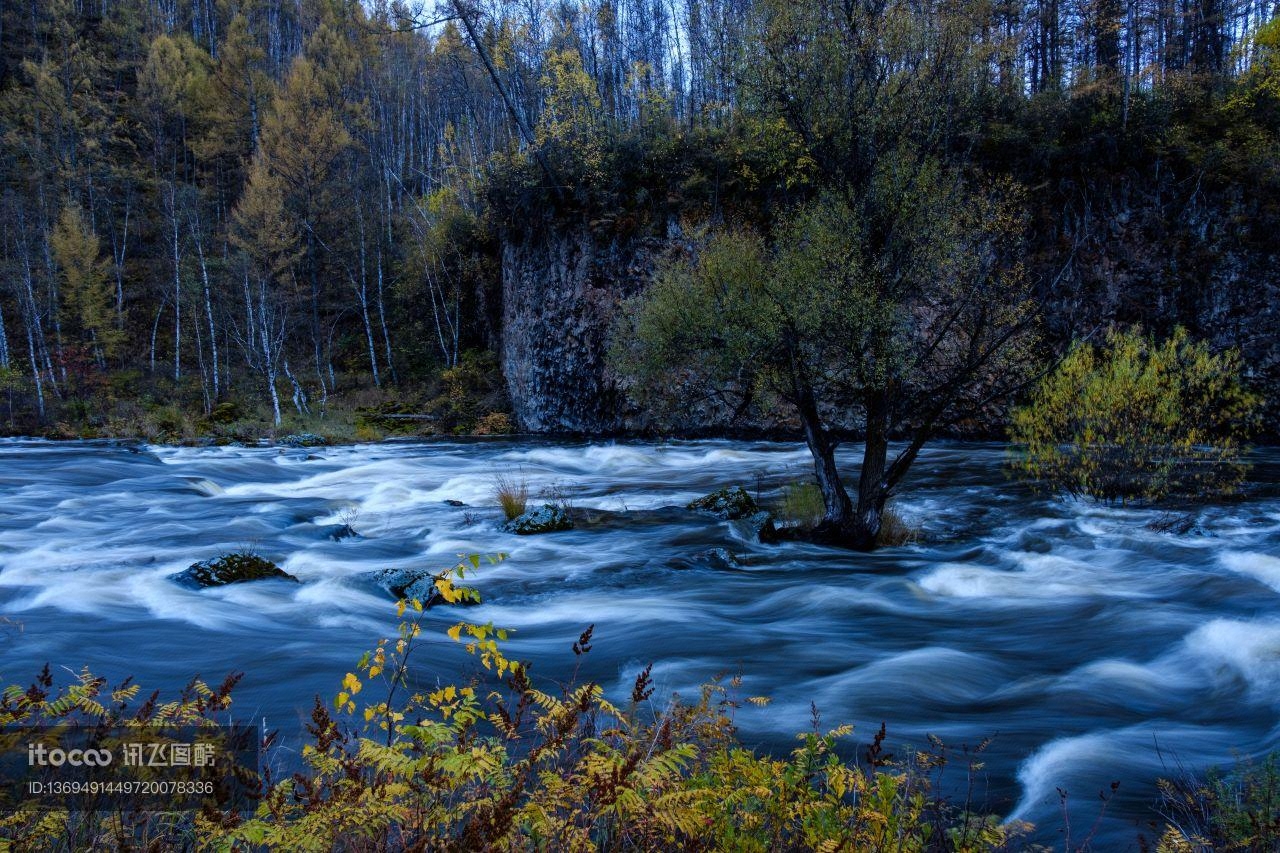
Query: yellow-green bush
point(1138, 419)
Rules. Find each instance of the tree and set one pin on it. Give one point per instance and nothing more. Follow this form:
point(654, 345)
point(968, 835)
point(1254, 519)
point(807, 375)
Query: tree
point(303, 139)
point(86, 289)
point(1138, 419)
point(270, 245)
point(824, 318)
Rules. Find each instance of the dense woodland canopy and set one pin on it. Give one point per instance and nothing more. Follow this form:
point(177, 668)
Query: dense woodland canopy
point(281, 203)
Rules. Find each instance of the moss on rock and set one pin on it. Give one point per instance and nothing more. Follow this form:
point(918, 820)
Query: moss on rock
point(728, 503)
point(240, 567)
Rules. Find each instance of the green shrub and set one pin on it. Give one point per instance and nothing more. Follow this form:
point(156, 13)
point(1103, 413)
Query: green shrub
point(1138, 419)
point(467, 393)
point(495, 423)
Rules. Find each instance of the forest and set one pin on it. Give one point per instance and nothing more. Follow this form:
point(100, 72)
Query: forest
point(240, 213)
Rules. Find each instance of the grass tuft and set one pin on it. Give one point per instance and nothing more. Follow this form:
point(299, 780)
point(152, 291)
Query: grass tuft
point(801, 505)
point(512, 495)
point(894, 530)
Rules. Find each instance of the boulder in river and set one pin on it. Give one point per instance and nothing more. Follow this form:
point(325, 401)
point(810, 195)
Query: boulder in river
point(416, 584)
point(239, 567)
point(547, 519)
point(727, 503)
point(303, 439)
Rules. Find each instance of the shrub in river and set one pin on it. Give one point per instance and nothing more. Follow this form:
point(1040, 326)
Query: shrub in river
point(512, 495)
point(1138, 419)
point(894, 530)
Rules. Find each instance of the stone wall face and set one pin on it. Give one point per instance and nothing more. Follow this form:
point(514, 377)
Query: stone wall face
point(560, 293)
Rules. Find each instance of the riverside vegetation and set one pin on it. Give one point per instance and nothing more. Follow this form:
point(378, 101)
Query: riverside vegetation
point(498, 762)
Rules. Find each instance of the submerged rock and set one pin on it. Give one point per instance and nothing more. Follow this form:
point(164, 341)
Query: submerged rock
point(452, 502)
point(230, 568)
point(343, 531)
point(762, 525)
point(727, 503)
point(547, 519)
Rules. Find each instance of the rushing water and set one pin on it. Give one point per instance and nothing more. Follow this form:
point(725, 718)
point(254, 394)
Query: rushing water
point(1092, 648)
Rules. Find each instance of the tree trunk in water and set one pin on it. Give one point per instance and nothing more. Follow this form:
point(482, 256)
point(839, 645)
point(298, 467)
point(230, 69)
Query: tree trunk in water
point(844, 523)
point(873, 488)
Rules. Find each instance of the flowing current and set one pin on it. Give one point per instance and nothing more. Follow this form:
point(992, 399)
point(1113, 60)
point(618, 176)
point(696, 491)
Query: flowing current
point(1091, 648)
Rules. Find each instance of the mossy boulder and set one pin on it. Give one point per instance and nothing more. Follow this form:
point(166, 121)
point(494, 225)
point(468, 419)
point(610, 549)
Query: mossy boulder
point(230, 568)
point(727, 503)
point(304, 439)
point(548, 518)
point(224, 413)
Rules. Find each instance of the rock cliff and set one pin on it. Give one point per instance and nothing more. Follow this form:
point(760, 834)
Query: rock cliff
point(1156, 260)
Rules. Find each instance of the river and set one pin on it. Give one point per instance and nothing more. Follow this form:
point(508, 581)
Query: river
point(1091, 648)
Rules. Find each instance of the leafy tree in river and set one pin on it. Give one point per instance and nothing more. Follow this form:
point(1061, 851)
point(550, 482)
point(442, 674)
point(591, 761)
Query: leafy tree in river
point(820, 320)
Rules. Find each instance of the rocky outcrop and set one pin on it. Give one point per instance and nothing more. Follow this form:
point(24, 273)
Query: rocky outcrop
point(562, 288)
point(1163, 256)
point(560, 293)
